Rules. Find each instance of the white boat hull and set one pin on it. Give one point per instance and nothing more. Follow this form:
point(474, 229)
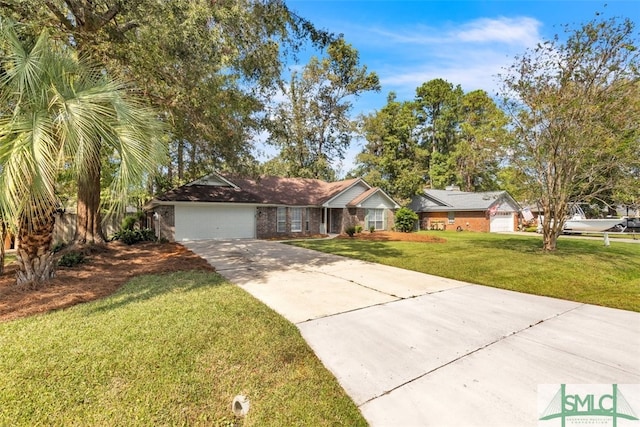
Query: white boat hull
point(590, 225)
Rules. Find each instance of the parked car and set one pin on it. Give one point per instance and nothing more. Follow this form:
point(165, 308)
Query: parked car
point(632, 224)
point(628, 225)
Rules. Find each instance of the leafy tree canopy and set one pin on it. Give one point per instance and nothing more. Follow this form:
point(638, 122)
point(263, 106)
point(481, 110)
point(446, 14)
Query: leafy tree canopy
point(443, 137)
point(56, 112)
point(312, 127)
point(393, 159)
point(209, 65)
point(574, 108)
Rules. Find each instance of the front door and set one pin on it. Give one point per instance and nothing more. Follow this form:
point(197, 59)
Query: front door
point(335, 221)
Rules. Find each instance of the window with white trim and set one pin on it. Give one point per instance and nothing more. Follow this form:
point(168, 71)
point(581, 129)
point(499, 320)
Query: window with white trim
point(452, 217)
point(375, 218)
point(281, 225)
point(296, 220)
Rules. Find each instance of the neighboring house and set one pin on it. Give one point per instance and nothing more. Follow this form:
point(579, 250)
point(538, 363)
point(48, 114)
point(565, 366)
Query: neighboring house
point(9, 241)
point(452, 209)
point(221, 206)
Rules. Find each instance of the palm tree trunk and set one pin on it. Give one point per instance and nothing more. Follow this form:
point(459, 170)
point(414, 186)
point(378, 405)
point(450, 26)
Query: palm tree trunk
point(89, 220)
point(3, 236)
point(33, 254)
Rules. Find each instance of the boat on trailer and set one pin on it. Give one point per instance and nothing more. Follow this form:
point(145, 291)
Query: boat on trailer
point(579, 223)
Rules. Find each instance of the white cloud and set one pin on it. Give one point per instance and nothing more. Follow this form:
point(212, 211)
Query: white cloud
point(471, 54)
point(472, 69)
point(521, 31)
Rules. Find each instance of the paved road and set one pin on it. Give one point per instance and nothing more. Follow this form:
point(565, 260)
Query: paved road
point(413, 349)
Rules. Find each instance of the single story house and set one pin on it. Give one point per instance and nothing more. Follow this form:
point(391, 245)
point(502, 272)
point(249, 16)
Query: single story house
point(222, 206)
point(452, 209)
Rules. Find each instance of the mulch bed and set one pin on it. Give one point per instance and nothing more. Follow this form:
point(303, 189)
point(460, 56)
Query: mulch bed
point(110, 267)
point(102, 274)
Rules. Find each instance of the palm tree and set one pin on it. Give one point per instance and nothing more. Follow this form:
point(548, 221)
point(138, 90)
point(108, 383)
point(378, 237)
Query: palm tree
point(56, 110)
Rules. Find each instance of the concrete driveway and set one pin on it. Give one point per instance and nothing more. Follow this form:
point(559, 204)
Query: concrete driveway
point(413, 349)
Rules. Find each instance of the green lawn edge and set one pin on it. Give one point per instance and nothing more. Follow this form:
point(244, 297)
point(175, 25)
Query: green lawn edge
point(166, 350)
point(580, 270)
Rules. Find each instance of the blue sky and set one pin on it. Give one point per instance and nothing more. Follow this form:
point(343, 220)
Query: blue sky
point(464, 42)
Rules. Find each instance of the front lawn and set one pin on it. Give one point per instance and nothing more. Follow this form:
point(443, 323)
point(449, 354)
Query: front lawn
point(9, 258)
point(580, 270)
point(165, 350)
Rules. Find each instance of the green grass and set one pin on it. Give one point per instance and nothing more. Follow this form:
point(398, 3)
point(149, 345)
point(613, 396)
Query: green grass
point(165, 350)
point(580, 270)
point(9, 258)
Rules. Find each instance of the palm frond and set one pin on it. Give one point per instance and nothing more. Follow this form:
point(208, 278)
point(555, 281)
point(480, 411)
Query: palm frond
point(62, 112)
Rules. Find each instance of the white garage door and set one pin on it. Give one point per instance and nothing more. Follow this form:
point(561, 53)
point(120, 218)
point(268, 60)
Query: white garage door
point(214, 222)
point(501, 221)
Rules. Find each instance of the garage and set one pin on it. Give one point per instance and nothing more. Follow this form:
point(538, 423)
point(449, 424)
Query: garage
point(199, 222)
point(501, 222)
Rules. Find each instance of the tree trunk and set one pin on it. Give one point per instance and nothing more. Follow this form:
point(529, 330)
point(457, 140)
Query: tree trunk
point(180, 160)
point(3, 236)
point(549, 239)
point(553, 223)
point(89, 220)
point(33, 254)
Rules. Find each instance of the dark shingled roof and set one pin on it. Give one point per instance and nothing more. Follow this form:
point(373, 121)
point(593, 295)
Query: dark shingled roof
point(263, 190)
point(456, 200)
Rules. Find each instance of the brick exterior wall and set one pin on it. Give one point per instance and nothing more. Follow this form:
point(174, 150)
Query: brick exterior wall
point(165, 226)
point(347, 217)
point(343, 218)
point(267, 223)
point(468, 221)
point(391, 219)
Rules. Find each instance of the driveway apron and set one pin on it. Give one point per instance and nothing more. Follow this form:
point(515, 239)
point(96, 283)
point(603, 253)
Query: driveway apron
point(413, 349)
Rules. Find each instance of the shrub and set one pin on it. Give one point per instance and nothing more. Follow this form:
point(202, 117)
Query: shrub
point(372, 228)
point(58, 247)
point(148, 235)
point(128, 236)
point(358, 229)
point(405, 220)
point(351, 230)
point(71, 259)
point(131, 237)
point(128, 222)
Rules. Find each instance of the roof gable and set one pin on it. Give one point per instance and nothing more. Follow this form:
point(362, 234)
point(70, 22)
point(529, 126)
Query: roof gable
point(271, 190)
point(373, 197)
point(213, 179)
point(343, 194)
point(454, 200)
